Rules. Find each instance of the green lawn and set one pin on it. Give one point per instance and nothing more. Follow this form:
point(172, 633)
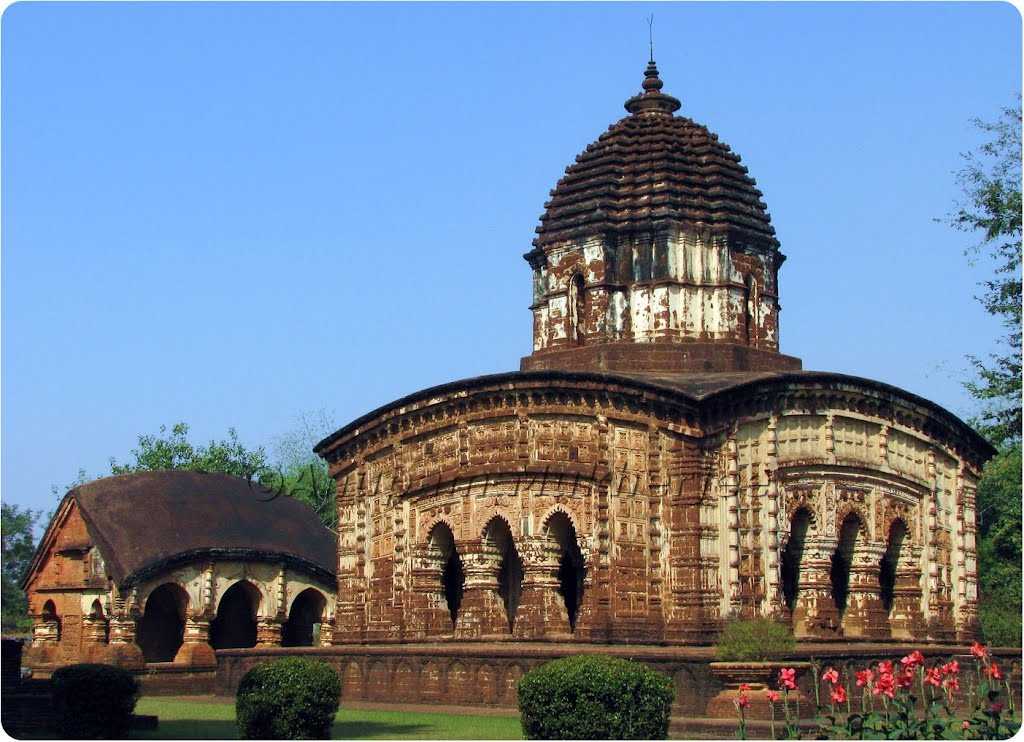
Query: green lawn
point(215, 719)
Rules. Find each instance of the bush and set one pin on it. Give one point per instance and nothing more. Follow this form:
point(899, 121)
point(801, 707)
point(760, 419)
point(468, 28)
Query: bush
point(594, 697)
point(93, 701)
point(754, 640)
point(292, 698)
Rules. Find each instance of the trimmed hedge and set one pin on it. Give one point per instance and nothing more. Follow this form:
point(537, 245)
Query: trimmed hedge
point(754, 640)
point(595, 697)
point(93, 701)
point(292, 698)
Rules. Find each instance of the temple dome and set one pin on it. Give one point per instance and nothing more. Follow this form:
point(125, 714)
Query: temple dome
point(653, 167)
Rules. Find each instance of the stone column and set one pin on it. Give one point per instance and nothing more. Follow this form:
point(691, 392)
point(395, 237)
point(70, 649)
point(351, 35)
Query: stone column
point(541, 611)
point(268, 631)
point(815, 614)
point(195, 649)
point(905, 617)
point(865, 615)
point(122, 649)
point(94, 638)
point(481, 612)
point(45, 645)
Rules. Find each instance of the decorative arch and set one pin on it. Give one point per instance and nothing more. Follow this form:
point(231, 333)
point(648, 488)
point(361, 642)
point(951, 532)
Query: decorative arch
point(235, 623)
point(851, 529)
point(305, 616)
point(162, 626)
point(500, 541)
point(443, 551)
point(555, 510)
point(896, 535)
point(560, 531)
point(50, 616)
point(96, 610)
point(800, 523)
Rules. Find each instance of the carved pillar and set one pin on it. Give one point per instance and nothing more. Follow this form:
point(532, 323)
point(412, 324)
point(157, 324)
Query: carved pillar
point(268, 631)
point(542, 611)
point(350, 611)
point(865, 616)
point(732, 519)
point(94, 638)
point(815, 614)
point(122, 649)
point(773, 591)
point(967, 614)
point(905, 618)
point(426, 603)
point(481, 612)
point(195, 650)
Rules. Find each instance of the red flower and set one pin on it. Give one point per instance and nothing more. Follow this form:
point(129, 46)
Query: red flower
point(996, 707)
point(742, 701)
point(994, 672)
point(886, 685)
point(787, 678)
point(952, 683)
point(912, 660)
point(965, 725)
point(979, 650)
point(885, 667)
point(831, 675)
point(838, 694)
point(933, 677)
point(744, 687)
point(772, 696)
point(864, 678)
point(905, 679)
point(951, 668)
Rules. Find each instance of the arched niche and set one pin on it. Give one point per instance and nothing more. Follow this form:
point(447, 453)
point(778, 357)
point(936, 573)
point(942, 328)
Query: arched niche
point(235, 624)
point(304, 619)
point(498, 538)
point(443, 551)
point(792, 556)
point(842, 560)
point(51, 617)
point(890, 560)
point(162, 626)
point(576, 308)
point(571, 568)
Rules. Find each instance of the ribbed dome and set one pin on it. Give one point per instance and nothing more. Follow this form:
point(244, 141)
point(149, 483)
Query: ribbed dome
point(652, 166)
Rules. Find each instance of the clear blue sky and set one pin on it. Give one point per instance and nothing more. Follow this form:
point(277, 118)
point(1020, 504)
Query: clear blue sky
point(233, 214)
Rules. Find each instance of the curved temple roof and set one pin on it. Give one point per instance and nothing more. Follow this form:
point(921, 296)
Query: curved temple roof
point(148, 521)
point(652, 165)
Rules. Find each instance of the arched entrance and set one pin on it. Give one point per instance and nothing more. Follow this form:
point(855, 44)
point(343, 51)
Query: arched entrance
point(571, 569)
point(792, 556)
point(235, 624)
point(453, 577)
point(303, 625)
point(842, 560)
point(162, 626)
point(498, 537)
point(887, 567)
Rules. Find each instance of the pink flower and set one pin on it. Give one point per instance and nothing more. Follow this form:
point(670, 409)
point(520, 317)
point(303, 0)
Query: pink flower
point(885, 667)
point(965, 725)
point(979, 650)
point(912, 660)
point(933, 677)
point(864, 678)
point(951, 668)
point(742, 701)
point(994, 672)
point(772, 696)
point(885, 685)
point(952, 683)
point(831, 675)
point(787, 678)
point(905, 679)
point(744, 687)
point(838, 694)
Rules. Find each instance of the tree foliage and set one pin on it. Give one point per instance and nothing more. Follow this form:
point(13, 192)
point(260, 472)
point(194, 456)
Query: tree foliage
point(175, 451)
point(999, 547)
point(18, 525)
point(991, 183)
point(300, 473)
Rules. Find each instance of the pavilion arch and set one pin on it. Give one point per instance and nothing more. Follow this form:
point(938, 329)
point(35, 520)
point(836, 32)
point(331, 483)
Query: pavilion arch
point(235, 623)
point(304, 619)
point(96, 610)
point(850, 530)
point(887, 568)
point(792, 555)
point(51, 616)
point(442, 550)
point(560, 531)
point(162, 626)
point(498, 539)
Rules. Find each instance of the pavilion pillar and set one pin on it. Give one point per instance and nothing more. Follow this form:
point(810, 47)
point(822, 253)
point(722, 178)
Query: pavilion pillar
point(865, 616)
point(94, 638)
point(481, 612)
point(121, 648)
point(815, 614)
point(905, 617)
point(195, 650)
point(45, 641)
point(542, 613)
point(268, 631)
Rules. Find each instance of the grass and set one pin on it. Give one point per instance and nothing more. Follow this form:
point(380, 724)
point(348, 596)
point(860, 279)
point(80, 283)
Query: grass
point(213, 718)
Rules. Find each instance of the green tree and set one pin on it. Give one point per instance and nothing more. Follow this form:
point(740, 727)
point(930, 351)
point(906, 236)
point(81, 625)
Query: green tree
point(999, 547)
point(991, 207)
point(175, 451)
point(299, 472)
point(18, 534)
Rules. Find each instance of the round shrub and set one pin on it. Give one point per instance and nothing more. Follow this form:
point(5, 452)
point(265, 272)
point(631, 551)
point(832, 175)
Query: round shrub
point(754, 640)
point(595, 697)
point(93, 701)
point(292, 698)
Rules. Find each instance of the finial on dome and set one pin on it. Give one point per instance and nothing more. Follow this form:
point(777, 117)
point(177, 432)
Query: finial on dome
point(652, 99)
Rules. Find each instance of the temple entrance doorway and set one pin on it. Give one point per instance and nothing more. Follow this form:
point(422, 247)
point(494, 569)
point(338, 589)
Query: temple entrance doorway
point(162, 626)
point(235, 624)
